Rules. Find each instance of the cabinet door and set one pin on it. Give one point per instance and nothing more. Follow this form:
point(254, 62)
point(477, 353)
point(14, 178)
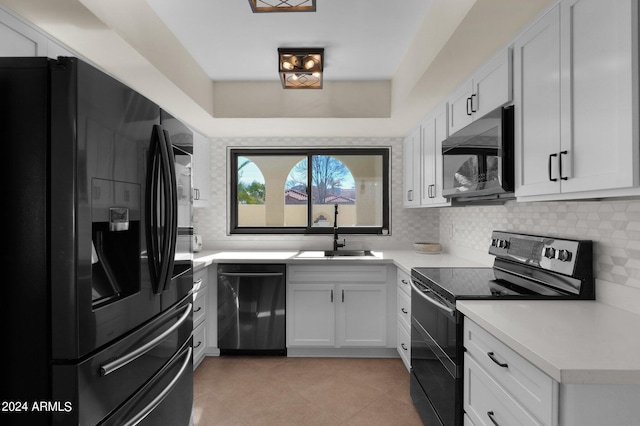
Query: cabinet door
point(537, 120)
point(411, 161)
point(18, 39)
point(599, 94)
point(460, 108)
point(492, 86)
point(428, 141)
point(311, 315)
point(200, 170)
point(441, 133)
point(362, 315)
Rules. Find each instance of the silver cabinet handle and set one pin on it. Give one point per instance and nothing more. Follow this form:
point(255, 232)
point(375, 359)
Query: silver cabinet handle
point(118, 363)
point(432, 301)
point(162, 395)
point(410, 195)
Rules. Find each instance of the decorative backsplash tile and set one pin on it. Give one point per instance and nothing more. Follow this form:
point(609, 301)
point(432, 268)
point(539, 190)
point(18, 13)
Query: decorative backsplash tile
point(614, 226)
point(407, 225)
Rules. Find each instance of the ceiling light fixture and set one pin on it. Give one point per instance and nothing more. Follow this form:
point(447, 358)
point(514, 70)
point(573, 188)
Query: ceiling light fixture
point(301, 68)
point(260, 6)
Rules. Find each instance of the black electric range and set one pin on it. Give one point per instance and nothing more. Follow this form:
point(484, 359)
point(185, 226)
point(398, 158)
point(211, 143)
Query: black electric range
point(525, 267)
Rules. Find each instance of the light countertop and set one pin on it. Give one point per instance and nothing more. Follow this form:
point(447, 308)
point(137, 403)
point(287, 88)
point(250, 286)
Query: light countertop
point(574, 342)
point(404, 259)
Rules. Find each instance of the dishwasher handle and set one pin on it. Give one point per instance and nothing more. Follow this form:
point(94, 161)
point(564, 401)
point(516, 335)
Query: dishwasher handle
point(250, 274)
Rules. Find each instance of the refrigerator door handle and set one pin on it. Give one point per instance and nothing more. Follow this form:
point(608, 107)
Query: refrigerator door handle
point(153, 208)
point(120, 362)
point(162, 210)
point(172, 209)
point(162, 395)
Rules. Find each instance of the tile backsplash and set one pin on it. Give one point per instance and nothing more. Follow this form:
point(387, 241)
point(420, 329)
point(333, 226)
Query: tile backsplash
point(614, 226)
point(407, 225)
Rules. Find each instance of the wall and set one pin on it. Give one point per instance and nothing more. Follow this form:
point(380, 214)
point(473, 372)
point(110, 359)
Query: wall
point(613, 225)
point(407, 225)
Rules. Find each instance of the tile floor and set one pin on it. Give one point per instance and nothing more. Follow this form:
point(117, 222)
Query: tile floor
point(302, 392)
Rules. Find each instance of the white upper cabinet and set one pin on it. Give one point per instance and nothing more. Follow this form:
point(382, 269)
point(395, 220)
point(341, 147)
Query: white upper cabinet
point(200, 166)
point(599, 46)
point(489, 88)
point(423, 161)
point(411, 169)
point(537, 99)
point(18, 39)
point(433, 133)
point(576, 84)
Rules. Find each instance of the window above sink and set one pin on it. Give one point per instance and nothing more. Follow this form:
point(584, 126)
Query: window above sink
point(294, 191)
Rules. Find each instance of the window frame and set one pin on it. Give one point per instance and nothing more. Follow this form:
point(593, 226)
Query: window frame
point(235, 153)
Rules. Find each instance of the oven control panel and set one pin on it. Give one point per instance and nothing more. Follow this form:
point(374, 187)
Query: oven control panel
point(554, 254)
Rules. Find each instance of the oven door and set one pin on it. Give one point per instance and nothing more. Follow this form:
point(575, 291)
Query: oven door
point(436, 382)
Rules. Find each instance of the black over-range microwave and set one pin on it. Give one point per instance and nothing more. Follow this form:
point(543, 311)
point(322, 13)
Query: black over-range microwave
point(478, 160)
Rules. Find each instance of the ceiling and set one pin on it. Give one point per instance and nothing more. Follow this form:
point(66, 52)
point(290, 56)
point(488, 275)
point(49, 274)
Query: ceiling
point(213, 63)
point(363, 39)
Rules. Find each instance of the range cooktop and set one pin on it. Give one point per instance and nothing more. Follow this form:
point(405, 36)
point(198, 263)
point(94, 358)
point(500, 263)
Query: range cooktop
point(526, 266)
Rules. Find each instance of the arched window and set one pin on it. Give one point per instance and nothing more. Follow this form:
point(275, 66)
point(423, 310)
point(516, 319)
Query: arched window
point(251, 183)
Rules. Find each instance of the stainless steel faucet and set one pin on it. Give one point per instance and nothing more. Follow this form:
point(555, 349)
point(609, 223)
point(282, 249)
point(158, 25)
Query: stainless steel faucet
point(336, 244)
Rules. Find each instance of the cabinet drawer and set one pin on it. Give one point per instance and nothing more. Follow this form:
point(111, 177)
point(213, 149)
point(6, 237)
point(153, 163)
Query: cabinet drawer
point(486, 403)
point(404, 345)
point(337, 273)
point(404, 281)
point(536, 391)
point(200, 281)
point(403, 302)
point(199, 343)
point(199, 307)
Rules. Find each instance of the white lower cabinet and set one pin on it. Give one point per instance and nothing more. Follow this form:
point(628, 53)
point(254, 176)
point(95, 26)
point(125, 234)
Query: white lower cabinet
point(200, 300)
point(501, 387)
point(403, 312)
point(337, 306)
point(311, 314)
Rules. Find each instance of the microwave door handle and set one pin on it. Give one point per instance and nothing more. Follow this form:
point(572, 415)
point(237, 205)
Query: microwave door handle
point(442, 306)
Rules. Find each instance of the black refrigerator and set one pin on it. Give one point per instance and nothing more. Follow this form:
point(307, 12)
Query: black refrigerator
point(96, 300)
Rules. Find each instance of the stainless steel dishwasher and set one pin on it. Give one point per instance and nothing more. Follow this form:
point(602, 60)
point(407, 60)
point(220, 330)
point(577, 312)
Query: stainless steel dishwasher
point(251, 309)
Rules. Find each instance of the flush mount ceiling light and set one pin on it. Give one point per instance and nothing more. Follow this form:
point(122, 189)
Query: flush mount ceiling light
point(300, 68)
point(259, 6)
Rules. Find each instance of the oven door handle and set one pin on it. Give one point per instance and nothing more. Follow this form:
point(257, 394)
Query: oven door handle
point(433, 301)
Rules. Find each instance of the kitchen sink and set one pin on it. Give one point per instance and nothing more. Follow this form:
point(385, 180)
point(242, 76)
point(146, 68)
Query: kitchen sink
point(319, 254)
point(333, 253)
